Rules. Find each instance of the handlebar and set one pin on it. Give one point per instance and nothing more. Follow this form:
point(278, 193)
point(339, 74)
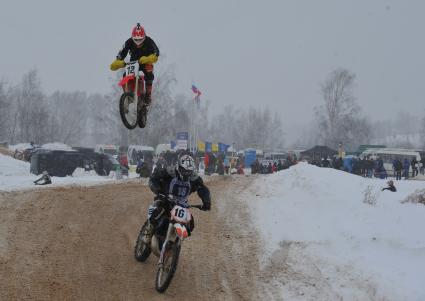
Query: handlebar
point(168, 199)
point(131, 62)
point(196, 206)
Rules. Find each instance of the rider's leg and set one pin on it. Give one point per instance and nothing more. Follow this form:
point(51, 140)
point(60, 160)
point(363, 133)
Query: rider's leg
point(149, 77)
point(155, 212)
point(191, 225)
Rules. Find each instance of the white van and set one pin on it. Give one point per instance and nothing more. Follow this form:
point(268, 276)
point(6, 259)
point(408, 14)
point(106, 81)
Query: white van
point(388, 155)
point(109, 149)
point(135, 151)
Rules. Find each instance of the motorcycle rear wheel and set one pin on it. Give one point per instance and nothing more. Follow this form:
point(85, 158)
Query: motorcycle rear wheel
point(128, 114)
point(166, 270)
point(142, 250)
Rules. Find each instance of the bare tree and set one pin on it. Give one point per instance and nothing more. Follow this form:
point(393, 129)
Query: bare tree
point(252, 128)
point(29, 109)
point(4, 112)
point(339, 119)
point(422, 132)
point(68, 116)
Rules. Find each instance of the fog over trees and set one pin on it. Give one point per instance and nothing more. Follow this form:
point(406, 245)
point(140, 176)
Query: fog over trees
point(78, 119)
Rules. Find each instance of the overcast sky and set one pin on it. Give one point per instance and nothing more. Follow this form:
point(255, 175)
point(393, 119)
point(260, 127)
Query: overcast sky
point(248, 52)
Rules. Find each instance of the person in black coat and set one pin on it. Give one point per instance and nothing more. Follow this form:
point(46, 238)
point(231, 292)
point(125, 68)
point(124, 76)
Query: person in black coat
point(390, 187)
point(176, 184)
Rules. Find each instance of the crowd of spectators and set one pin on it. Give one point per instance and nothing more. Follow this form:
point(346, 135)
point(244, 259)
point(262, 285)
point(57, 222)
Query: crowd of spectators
point(268, 166)
point(374, 167)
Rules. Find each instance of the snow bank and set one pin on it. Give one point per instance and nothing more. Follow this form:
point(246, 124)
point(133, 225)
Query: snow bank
point(329, 212)
point(57, 146)
point(20, 146)
point(12, 167)
point(15, 175)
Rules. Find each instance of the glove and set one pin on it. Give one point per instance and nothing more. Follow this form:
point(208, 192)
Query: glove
point(206, 207)
point(150, 59)
point(117, 64)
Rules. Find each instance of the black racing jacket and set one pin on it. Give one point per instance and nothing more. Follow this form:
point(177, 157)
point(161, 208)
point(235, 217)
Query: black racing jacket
point(147, 48)
point(165, 181)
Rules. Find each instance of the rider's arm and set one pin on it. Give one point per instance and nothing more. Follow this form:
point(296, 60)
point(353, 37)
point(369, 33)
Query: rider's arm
point(153, 51)
point(153, 48)
point(156, 180)
point(124, 50)
point(203, 192)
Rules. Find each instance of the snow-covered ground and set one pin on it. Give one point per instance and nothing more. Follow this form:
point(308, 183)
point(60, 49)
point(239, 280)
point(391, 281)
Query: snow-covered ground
point(15, 175)
point(342, 230)
point(51, 146)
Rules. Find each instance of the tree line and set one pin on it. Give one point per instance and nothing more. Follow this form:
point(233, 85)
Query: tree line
point(81, 119)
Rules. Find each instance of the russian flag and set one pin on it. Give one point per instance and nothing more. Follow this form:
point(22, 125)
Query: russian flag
point(196, 90)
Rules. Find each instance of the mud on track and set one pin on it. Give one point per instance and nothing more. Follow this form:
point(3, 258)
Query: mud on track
point(76, 243)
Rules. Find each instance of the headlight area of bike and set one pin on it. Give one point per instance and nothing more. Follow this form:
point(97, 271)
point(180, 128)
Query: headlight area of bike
point(181, 217)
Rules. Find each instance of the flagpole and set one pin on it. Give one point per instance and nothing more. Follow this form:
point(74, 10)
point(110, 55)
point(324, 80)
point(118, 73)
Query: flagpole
point(191, 130)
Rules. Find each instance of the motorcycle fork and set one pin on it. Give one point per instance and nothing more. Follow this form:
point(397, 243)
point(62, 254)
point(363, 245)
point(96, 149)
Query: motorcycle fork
point(171, 236)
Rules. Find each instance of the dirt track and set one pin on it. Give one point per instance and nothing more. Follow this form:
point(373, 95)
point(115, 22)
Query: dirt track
point(77, 243)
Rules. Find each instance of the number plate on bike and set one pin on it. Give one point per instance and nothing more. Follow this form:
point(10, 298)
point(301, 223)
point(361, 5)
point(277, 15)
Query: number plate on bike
point(180, 214)
point(132, 68)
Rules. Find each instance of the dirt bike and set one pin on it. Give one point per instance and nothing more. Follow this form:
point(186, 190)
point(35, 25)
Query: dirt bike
point(133, 111)
point(166, 246)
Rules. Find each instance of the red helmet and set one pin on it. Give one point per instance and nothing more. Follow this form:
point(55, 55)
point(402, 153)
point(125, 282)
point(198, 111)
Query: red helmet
point(138, 34)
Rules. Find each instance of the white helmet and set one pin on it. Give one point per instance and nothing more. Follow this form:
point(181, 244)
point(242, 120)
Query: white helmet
point(185, 167)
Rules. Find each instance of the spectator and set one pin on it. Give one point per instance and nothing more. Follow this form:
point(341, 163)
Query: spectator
point(422, 165)
point(270, 168)
point(369, 167)
point(390, 187)
point(226, 165)
point(414, 164)
point(220, 166)
point(406, 166)
point(123, 160)
point(139, 167)
point(240, 169)
point(207, 162)
point(255, 167)
point(274, 167)
point(397, 168)
point(279, 165)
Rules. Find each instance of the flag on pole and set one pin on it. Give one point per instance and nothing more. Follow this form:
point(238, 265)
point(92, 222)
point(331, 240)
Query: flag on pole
point(196, 91)
point(197, 95)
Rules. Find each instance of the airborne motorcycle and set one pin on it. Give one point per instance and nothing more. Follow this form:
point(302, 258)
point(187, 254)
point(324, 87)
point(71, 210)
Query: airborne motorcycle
point(133, 110)
point(166, 244)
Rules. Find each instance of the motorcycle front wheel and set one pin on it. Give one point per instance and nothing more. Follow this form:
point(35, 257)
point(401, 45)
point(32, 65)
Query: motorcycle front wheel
point(128, 110)
point(142, 250)
point(167, 269)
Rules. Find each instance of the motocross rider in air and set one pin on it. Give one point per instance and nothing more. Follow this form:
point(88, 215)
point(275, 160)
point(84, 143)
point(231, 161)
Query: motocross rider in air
point(143, 49)
point(177, 183)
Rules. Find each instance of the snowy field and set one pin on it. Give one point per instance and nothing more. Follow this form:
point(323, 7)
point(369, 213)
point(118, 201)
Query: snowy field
point(15, 175)
point(332, 225)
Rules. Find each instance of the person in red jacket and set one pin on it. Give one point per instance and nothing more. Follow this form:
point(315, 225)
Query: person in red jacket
point(206, 161)
point(141, 48)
